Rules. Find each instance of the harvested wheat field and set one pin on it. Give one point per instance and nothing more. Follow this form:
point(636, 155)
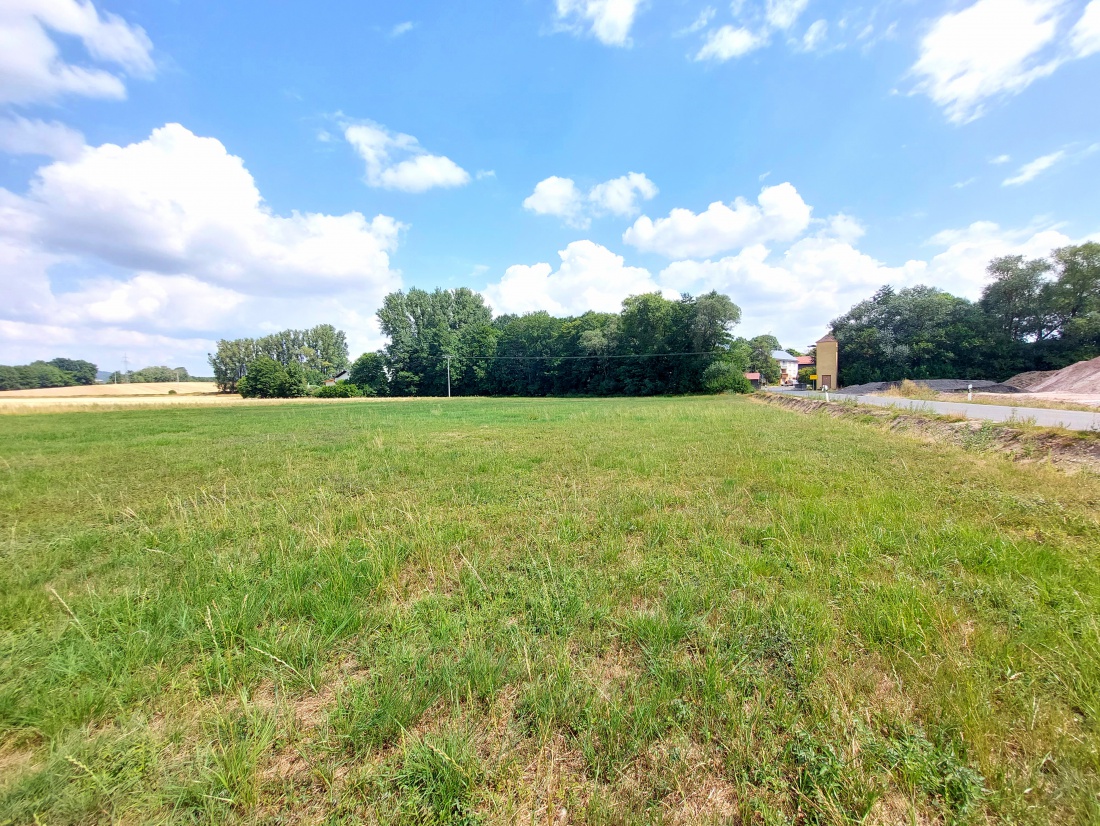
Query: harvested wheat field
point(159, 388)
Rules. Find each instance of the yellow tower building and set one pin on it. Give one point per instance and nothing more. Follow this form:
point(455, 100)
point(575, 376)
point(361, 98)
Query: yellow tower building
point(826, 363)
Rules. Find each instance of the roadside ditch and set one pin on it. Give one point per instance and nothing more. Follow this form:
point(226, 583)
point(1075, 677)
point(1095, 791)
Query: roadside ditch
point(1073, 451)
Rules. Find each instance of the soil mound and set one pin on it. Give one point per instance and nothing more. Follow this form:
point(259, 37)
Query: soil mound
point(1082, 377)
point(1025, 381)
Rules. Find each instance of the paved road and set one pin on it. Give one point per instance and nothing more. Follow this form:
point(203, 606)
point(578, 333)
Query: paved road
point(1069, 419)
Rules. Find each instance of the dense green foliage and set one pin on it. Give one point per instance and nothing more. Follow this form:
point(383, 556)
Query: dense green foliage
point(1034, 315)
point(82, 372)
point(343, 390)
point(654, 346)
point(369, 370)
point(266, 378)
point(59, 372)
point(642, 611)
point(321, 352)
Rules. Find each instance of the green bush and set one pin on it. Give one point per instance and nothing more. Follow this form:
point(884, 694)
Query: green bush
point(740, 384)
point(268, 379)
point(725, 377)
point(341, 390)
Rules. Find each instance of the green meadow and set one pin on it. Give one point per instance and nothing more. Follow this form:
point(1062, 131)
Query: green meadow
point(615, 611)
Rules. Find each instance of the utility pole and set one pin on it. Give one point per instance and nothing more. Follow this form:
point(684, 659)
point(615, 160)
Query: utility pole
point(125, 369)
point(448, 377)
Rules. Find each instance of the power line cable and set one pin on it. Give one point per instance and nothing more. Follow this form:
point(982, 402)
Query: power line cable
point(610, 356)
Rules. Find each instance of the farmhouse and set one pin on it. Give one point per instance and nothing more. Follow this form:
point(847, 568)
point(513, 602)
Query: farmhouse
point(788, 366)
point(343, 375)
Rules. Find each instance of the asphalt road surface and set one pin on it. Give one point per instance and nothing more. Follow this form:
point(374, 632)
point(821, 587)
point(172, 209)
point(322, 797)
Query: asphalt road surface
point(1069, 419)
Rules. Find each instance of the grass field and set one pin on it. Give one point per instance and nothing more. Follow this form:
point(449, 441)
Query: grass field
point(700, 610)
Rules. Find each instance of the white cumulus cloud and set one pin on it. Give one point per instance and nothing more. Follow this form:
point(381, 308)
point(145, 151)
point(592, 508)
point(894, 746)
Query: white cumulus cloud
point(32, 67)
point(609, 21)
point(169, 237)
point(779, 214)
point(590, 277)
point(397, 161)
point(562, 198)
point(559, 197)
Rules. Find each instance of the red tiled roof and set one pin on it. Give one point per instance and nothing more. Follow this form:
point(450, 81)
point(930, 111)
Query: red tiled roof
point(804, 361)
point(752, 376)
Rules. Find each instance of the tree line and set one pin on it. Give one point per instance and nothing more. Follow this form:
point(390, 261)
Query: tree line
point(153, 374)
point(1040, 314)
point(59, 372)
point(652, 346)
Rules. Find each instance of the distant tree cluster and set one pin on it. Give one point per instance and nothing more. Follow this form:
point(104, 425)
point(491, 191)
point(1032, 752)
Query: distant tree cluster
point(1041, 314)
point(653, 346)
point(147, 375)
point(320, 352)
point(59, 372)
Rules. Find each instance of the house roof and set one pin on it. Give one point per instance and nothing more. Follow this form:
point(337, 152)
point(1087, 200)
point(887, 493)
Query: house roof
point(805, 361)
point(752, 376)
point(825, 338)
point(782, 355)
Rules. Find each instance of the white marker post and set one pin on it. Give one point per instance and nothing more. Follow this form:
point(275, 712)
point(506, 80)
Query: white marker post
point(825, 387)
point(970, 392)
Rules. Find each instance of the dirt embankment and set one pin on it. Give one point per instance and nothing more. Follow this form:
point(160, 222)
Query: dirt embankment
point(1070, 451)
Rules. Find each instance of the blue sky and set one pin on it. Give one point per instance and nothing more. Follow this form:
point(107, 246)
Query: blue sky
point(176, 172)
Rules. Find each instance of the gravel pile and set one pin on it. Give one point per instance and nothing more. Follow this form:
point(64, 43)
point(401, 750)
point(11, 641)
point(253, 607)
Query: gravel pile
point(1082, 377)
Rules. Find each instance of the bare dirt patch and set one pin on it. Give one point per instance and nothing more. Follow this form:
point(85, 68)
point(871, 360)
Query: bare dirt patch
point(13, 763)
